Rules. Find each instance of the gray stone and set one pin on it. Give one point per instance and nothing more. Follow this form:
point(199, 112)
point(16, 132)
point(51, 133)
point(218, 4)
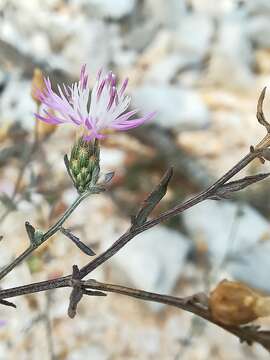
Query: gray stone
point(93, 352)
point(152, 261)
point(212, 221)
point(168, 13)
point(232, 56)
point(193, 35)
point(111, 9)
point(236, 243)
point(16, 103)
point(177, 109)
point(258, 29)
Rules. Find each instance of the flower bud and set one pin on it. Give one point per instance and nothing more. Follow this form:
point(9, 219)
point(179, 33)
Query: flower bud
point(84, 164)
point(233, 303)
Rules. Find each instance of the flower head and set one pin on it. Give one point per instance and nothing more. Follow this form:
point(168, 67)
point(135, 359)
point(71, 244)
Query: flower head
point(107, 108)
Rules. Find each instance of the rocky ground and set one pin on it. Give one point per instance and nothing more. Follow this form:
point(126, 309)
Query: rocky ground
point(201, 64)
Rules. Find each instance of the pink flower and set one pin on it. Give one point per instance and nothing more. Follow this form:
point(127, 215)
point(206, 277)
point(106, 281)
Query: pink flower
point(107, 108)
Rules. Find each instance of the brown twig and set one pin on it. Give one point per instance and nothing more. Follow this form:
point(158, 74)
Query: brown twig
point(194, 304)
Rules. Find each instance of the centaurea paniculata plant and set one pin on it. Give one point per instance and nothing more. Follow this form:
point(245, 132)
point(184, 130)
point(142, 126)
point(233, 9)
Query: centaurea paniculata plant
point(96, 113)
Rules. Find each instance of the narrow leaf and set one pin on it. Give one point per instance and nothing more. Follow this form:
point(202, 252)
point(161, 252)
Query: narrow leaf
point(108, 177)
point(66, 161)
point(225, 190)
point(153, 199)
point(7, 303)
point(30, 231)
point(84, 248)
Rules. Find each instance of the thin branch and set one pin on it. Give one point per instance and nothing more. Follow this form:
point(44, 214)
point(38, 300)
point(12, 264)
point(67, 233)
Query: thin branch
point(194, 304)
point(53, 229)
point(132, 232)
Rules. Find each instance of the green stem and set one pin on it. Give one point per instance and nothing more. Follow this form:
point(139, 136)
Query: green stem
point(53, 229)
point(65, 216)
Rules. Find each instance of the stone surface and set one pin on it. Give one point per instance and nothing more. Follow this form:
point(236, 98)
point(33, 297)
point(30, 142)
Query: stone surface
point(237, 238)
point(177, 109)
point(154, 260)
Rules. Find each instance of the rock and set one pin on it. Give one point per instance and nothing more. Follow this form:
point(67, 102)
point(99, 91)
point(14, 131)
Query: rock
point(236, 232)
point(211, 222)
point(177, 109)
point(92, 45)
point(255, 7)
point(258, 29)
point(152, 261)
point(232, 55)
point(252, 265)
point(193, 35)
point(111, 9)
point(168, 13)
point(92, 352)
point(164, 71)
point(16, 103)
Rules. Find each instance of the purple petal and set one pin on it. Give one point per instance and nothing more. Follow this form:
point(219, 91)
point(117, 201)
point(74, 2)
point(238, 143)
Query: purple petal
point(123, 87)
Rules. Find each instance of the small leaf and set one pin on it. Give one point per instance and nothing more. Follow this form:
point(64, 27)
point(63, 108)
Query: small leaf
point(30, 231)
point(84, 248)
point(225, 190)
point(108, 177)
point(7, 303)
point(76, 293)
point(153, 199)
point(66, 161)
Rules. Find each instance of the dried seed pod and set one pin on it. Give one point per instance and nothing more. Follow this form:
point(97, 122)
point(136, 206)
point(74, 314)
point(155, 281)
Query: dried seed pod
point(233, 303)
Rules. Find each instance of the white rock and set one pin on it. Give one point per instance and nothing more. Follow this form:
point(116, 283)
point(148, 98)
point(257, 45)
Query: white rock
point(168, 13)
point(237, 238)
point(165, 70)
point(116, 9)
point(177, 109)
point(232, 56)
point(193, 35)
point(88, 44)
point(153, 260)
point(252, 266)
point(16, 103)
point(212, 221)
point(257, 6)
point(92, 352)
point(258, 29)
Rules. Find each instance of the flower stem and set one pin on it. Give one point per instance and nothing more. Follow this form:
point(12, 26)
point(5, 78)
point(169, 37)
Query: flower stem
point(52, 230)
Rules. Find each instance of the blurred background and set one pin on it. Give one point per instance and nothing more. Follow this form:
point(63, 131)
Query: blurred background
point(201, 64)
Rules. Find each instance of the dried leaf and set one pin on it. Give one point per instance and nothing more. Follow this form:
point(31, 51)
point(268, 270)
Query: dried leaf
point(76, 293)
point(260, 113)
point(7, 303)
point(30, 231)
point(153, 199)
point(108, 177)
point(84, 248)
point(225, 190)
